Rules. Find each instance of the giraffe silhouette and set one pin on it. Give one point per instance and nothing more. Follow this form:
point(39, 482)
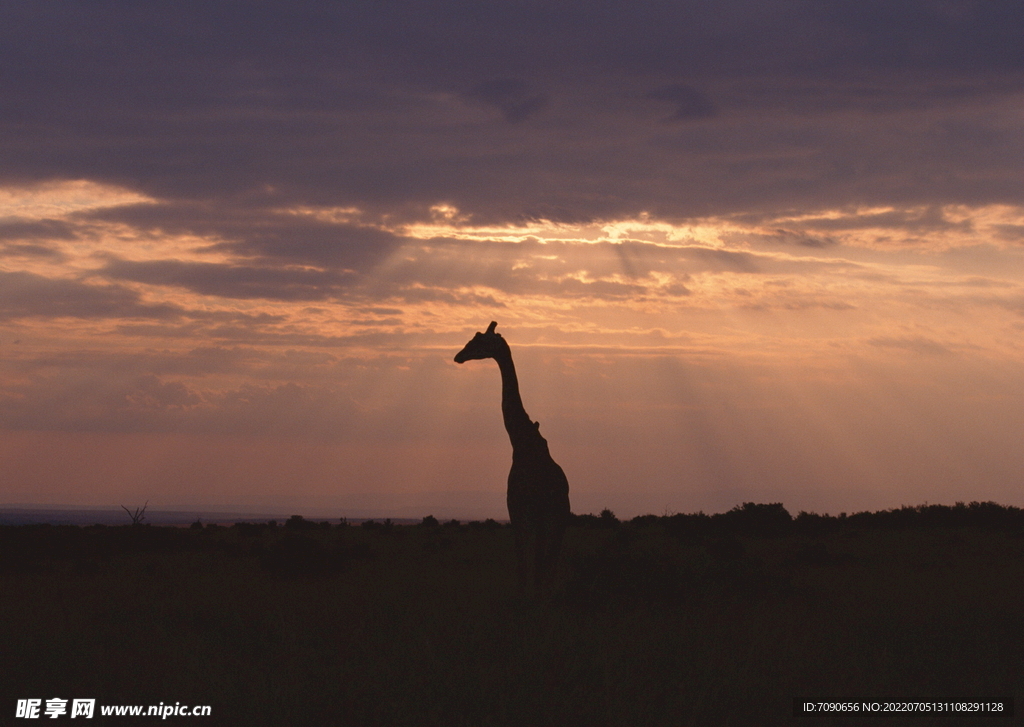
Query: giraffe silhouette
point(538, 491)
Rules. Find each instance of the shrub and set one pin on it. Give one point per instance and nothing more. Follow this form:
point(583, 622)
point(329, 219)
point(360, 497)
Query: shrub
point(297, 522)
point(762, 520)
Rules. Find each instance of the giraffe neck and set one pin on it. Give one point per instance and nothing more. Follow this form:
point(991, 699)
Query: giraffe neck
point(517, 421)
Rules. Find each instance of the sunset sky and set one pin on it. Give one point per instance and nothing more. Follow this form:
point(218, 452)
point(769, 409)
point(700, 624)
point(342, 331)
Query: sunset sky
point(742, 250)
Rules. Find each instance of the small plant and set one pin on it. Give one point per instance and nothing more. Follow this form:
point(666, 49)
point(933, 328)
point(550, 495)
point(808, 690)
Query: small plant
point(139, 515)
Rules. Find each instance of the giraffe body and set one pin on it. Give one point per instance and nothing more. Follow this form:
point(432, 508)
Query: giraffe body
point(538, 490)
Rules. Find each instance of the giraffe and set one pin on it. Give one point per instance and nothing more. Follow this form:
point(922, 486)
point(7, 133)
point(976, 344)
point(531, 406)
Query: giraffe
point(538, 491)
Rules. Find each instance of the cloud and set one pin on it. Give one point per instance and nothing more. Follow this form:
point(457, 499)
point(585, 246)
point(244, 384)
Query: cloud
point(256, 231)
point(928, 219)
point(24, 294)
point(1010, 233)
point(809, 105)
point(915, 344)
point(798, 237)
point(230, 281)
point(29, 250)
point(17, 229)
point(511, 96)
point(690, 103)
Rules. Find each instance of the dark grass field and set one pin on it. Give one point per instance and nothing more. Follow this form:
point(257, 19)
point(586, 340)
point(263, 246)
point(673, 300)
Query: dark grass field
point(684, 620)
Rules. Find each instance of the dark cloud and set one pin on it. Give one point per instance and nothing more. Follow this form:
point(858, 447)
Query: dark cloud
point(801, 238)
point(30, 250)
point(261, 233)
point(28, 295)
point(511, 96)
point(24, 295)
point(418, 40)
point(415, 294)
point(230, 281)
point(17, 229)
point(34, 238)
point(804, 104)
point(689, 102)
point(1010, 233)
point(242, 330)
point(782, 236)
point(931, 218)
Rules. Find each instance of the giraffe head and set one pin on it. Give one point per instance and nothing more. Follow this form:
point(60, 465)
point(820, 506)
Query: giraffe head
point(482, 345)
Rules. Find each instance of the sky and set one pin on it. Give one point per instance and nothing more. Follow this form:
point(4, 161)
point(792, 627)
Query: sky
point(764, 251)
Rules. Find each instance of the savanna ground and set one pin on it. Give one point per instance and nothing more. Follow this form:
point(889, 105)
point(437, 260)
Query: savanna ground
point(680, 620)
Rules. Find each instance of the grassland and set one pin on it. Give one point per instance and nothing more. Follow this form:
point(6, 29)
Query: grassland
point(684, 620)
